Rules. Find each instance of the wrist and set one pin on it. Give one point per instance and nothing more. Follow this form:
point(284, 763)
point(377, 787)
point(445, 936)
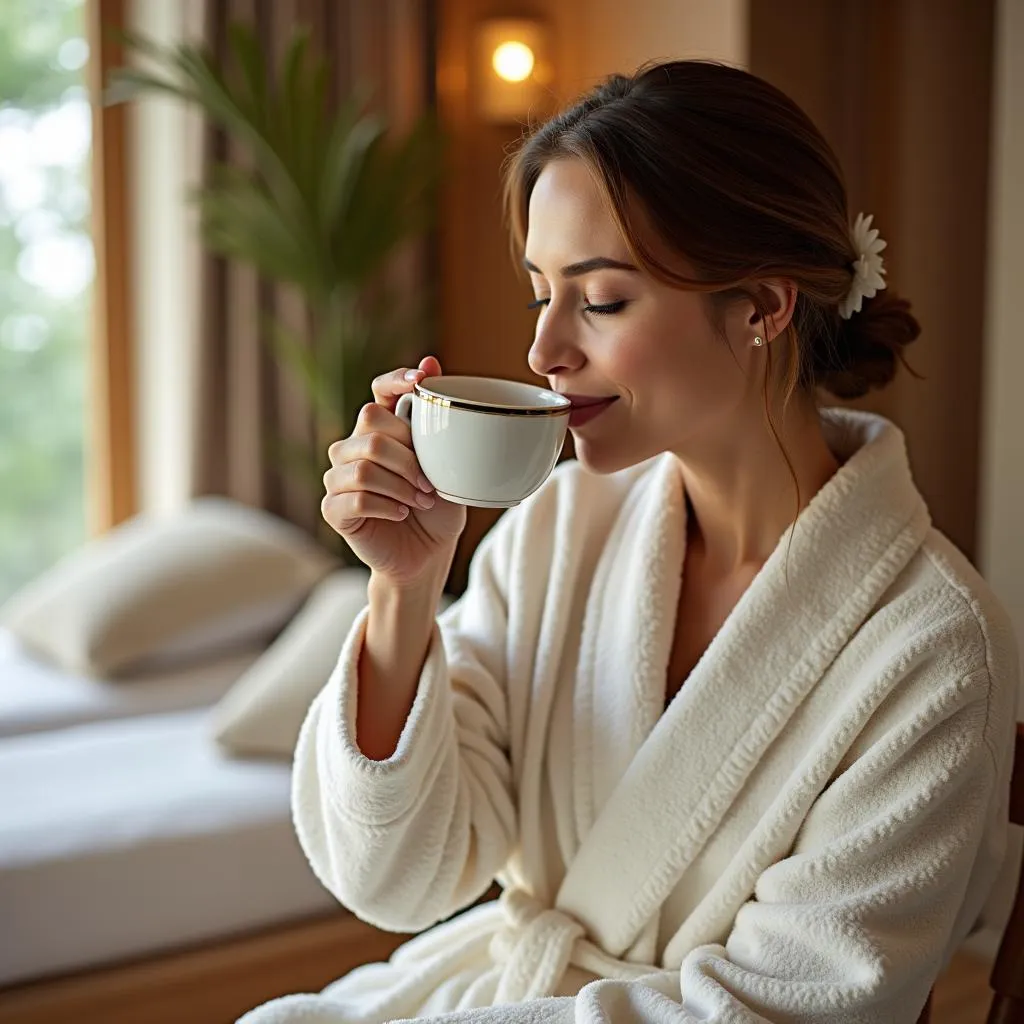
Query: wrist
point(420, 594)
point(430, 580)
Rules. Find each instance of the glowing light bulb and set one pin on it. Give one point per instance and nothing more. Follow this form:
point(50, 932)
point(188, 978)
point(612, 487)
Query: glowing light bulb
point(513, 61)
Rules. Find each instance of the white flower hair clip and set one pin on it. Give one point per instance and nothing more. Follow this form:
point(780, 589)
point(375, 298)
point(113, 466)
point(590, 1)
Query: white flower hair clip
point(868, 268)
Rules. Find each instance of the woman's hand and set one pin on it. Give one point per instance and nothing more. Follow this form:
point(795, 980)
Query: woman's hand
point(377, 497)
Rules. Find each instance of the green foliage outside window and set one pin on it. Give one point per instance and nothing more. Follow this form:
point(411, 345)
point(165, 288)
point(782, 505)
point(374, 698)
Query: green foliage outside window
point(45, 283)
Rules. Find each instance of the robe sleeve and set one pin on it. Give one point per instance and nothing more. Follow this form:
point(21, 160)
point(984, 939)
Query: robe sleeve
point(886, 875)
point(406, 842)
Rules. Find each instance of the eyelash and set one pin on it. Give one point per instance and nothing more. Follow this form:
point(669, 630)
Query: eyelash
point(605, 310)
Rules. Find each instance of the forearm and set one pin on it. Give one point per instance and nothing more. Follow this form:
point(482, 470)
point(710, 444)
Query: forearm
point(398, 631)
point(405, 841)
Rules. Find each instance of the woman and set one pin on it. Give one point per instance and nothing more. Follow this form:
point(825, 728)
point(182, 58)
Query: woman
point(725, 716)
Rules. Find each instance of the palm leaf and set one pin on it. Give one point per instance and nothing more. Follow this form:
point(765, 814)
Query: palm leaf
point(297, 354)
point(240, 220)
point(225, 106)
point(300, 113)
point(327, 198)
point(248, 54)
point(348, 137)
point(370, 233)
point(127, 84)
point(131, 40)
point(392, 198)
point(348, 183)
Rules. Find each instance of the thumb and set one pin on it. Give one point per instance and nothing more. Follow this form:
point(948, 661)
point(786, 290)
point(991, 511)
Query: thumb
point(430, 366)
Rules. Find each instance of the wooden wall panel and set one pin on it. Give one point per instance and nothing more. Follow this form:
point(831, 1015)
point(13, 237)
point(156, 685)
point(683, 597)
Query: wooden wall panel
point(901, 88)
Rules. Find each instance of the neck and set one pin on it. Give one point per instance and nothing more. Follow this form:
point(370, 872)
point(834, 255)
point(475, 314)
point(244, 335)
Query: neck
point(741, 491)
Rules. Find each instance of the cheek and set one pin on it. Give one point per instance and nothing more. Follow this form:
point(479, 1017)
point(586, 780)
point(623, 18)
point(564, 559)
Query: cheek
point(631, 357)
point(674, 347)
point(678, 361)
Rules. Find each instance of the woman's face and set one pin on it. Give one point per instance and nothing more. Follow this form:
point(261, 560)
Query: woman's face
point(607, 331)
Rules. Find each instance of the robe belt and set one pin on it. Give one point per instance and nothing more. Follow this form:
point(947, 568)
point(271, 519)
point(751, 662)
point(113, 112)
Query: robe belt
point(538, 943)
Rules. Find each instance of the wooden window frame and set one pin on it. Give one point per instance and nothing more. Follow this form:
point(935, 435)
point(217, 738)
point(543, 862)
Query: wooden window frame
point(111, 492)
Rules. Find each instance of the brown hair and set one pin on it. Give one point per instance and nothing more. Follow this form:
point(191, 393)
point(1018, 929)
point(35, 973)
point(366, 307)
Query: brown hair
point(738, 180)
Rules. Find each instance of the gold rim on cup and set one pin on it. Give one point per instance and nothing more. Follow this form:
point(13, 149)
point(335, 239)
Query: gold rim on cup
point(489, 410)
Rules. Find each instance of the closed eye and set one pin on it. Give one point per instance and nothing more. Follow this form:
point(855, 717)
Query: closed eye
point(605, 309)
point(608, 307)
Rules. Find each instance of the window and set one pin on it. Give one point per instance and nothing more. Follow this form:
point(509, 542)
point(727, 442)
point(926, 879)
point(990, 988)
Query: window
point(46, 274)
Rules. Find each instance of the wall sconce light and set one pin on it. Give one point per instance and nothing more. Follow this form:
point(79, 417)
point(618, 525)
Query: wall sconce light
point(514, 71)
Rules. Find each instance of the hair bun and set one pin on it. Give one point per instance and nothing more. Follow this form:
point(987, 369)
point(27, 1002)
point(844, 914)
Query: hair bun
point(868, 347)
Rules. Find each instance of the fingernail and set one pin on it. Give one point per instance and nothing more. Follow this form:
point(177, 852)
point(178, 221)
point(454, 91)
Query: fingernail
point(425, 500)
point(424, 484)
point(412, 374)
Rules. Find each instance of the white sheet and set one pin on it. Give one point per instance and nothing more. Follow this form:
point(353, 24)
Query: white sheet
point(35, 695)
point(119, 839)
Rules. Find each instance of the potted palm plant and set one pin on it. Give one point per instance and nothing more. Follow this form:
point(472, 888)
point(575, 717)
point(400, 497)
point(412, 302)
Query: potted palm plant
point(327, 198)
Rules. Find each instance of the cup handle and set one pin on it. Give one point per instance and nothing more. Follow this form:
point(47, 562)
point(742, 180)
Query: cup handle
point(403, 410)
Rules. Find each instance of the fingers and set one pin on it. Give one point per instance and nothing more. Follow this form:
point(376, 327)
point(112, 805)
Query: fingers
point(364, 489)
point(378, 458)
point(375, 449)
point(367, 475)
point(345, 512)
point(374, 473)
point(388, 387)
point(381, 437)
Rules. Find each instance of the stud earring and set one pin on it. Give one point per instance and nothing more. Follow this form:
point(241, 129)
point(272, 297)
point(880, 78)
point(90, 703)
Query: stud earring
point(758, 342)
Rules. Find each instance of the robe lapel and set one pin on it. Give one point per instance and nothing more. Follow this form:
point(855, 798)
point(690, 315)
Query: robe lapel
point(676, 781)
point(627, 639)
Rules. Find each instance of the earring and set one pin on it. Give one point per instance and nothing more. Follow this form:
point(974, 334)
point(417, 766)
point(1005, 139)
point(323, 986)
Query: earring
point(758, 342)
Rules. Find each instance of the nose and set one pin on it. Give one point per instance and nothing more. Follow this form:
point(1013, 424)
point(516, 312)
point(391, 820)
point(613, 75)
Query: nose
point(554, 351)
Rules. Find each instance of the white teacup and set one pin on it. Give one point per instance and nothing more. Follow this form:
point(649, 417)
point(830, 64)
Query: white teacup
point(482, 441)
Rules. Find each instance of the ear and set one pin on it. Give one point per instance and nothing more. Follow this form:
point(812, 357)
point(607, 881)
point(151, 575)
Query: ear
point(779, 297)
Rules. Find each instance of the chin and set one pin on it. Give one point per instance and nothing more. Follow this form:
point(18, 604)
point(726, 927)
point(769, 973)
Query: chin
point(605, 459)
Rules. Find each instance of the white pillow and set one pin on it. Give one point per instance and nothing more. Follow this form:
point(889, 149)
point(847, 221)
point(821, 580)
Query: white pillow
point(262, 713)
point(154, 592)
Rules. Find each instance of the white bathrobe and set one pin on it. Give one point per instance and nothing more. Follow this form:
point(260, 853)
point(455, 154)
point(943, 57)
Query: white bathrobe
point(805, 834)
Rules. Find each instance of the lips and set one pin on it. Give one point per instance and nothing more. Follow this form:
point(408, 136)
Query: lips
point(586, 408)
point(583, 401)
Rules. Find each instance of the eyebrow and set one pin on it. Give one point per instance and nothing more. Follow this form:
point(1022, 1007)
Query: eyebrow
point(585, 266)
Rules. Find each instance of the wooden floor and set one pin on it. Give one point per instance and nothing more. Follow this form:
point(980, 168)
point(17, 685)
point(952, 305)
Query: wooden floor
point(962, 995)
